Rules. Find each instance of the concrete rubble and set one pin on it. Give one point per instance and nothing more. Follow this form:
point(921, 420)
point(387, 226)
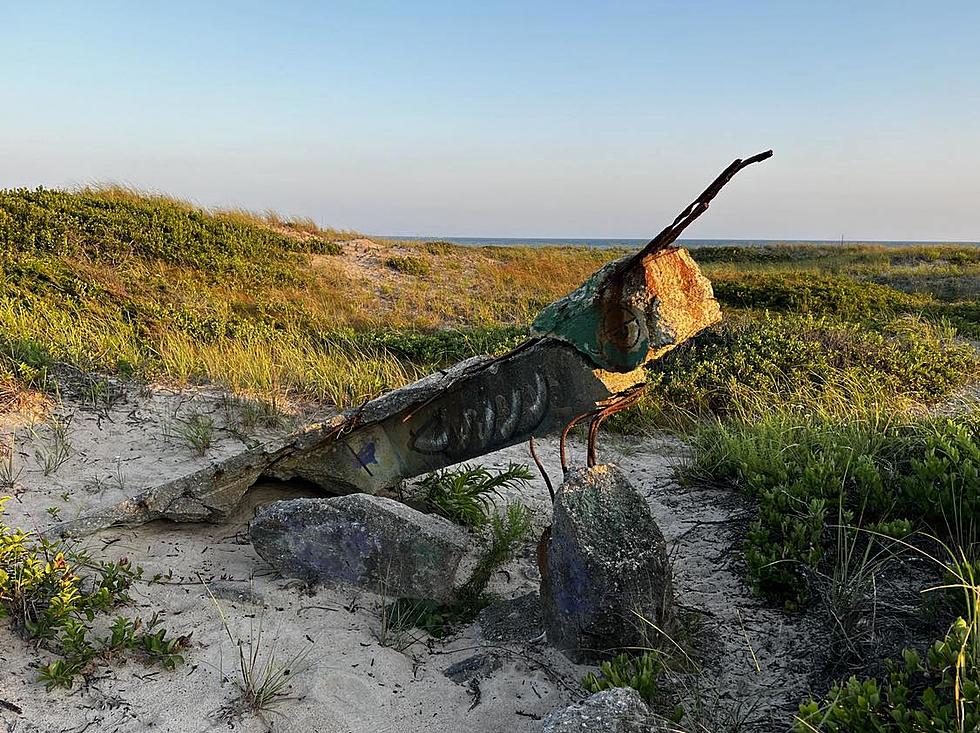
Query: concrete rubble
point(605, 580)
point(368, 541)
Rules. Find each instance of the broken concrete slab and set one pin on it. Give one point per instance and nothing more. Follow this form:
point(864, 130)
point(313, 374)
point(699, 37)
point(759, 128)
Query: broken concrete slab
point(633, 310)
point(587, 351)
point(475, 407)
point(369, 541)
point(605, 577)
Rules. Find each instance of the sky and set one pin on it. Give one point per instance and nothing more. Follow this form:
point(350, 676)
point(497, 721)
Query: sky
point(497, 119)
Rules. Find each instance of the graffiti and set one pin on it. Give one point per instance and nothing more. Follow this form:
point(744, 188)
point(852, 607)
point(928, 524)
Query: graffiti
point(460, 427)
point(365, 456)
point(621, 333)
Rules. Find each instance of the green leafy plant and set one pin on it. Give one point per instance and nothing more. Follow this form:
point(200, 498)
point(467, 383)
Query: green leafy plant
point(51, 593)
point(641, 672)
point(464, 495)
point(507, 534)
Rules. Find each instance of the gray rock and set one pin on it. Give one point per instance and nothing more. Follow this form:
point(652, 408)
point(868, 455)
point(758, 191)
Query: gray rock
point(369, 541)
point(619, 710)
point(516, 619)
point(606, 567)
point(475, 667)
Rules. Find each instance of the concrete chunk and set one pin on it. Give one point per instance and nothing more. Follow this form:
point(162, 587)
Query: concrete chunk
point(368, 541)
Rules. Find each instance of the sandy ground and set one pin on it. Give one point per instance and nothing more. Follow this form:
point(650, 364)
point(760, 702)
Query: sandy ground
point(749, 658)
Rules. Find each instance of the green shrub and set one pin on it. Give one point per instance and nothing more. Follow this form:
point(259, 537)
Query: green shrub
point(113, 223)
point(641, 672)
point(749, 366)
point(408, 264)
point(939, 693)
point(817, 294)
point(904, 472)
point(51, 594)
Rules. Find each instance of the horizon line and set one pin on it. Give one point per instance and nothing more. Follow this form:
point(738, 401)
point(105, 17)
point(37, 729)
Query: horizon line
point(449, 237)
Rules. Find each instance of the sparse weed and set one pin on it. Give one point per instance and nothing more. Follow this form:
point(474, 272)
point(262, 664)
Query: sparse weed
point(54, 449)
point(9, 470)
point(197, 431)
point(402, 619)
point(507, 532)
point(263, 674)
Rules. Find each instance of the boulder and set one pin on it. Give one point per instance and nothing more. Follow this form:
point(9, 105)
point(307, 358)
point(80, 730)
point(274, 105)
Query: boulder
point(369, 541)
point(605, 567)
point(619, 710)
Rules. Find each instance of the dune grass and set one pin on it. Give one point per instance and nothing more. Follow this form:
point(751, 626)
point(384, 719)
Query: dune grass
point(146, 285)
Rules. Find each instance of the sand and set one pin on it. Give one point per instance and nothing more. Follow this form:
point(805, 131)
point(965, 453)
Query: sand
point(748, 660)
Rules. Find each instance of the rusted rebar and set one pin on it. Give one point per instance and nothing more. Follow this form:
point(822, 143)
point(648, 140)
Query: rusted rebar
point(544, 474)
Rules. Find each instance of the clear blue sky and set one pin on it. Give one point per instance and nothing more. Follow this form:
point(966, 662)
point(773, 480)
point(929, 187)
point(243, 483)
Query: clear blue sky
point(510, 119)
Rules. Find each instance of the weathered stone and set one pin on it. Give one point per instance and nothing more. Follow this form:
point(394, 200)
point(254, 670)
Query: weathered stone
point(476, 667)
point(369, 541)
point(606, 567)
point(515, 619)
point(619, 710)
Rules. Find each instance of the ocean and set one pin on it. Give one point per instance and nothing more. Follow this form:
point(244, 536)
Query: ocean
point(635, 243)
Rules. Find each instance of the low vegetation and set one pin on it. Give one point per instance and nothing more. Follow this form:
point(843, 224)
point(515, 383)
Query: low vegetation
point(53, 595)
point(747, 366)
point(465, 495)
point(935, 690)
point(887, 473)
point(640, 671)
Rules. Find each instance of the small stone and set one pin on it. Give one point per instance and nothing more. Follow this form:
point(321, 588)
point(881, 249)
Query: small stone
point(369, 541)
point(517, 619)
point(475, 667)
point(619, 710)
point(235, 592)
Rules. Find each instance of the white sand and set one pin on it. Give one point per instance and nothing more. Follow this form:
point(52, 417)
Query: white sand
point(349, 681)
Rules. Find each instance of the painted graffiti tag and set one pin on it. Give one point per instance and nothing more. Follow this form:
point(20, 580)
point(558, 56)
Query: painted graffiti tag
point(480, 422)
